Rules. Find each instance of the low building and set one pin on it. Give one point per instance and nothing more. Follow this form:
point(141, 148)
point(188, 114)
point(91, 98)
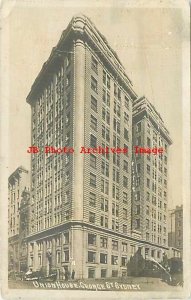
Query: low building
point(175, 234)
point(17, 183)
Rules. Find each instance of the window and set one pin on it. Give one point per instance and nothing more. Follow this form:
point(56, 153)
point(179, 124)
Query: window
point(147, 209)
point(91, 239)
point(148, 182)
point(91, 273)
point(125, 165)
point(93, 141)
point(67, 158)
point(103, 242)
point(124, 213)
point(92, 180)
point(138, 127)
point(154, 201)
point(114, 245)
point(67, 119)
point(67, 197)
point(93, 104)
point(108, 82)
point(66, 238)
point(104, 77)
point(137, 223)
point(133, 249)
point(40, 259)
point(138, 196)
point(138, 209)
point(126, 134)
point(103, 273)
point(114, 260)
point(104, 221)
point(148, 142)
point(125, 181)
point(119, 94)
point(58, 260)
point(94, 84)
point(67, 99)
point(92, 199)
point(148, 169)
point(148, 196)
point(66, 255)
point(91, 256)
point(124, 228)
point(125, 197)
point(68, 60)
point(147, 224)
point(126, 102)
point(67, 139)
point(115, 89)
point(67, 214)
point(93, 161)
point(91, 217)
point(104, 96)
point(126, 118)
point(103, 258)
point(124, 261)
point(67, 177)
point(93, 123)
point(68, 80)
point(139, 141)
point(114, 273)
point(104, 204)
point(94, 64)
point(124, 247)
point(104, 186)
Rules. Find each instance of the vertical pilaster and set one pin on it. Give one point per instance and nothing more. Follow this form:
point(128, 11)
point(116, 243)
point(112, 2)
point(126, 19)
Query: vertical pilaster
point(53, 253)
point(78, 252)
point(79, 99)
point(44, 257)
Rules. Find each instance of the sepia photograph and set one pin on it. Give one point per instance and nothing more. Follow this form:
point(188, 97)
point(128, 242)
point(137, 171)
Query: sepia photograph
point(95, 122)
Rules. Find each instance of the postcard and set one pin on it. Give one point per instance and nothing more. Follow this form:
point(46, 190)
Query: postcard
point(95, 149)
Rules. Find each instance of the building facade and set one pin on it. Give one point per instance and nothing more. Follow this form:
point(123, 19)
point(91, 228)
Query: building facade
point(80, 206)
point(24, 230)
point(175, 231)
point(18, 181)
point(150, 193)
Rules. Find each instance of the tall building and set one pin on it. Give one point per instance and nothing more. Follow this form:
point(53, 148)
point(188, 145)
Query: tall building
point(80, 209)
point(18, 182)
point(175, 229)
point(150, 193)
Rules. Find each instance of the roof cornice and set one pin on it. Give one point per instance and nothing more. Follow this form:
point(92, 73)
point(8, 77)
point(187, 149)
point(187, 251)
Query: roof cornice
point(81, 27)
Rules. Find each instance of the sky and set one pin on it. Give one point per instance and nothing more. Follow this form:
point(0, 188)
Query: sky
point(148, 43)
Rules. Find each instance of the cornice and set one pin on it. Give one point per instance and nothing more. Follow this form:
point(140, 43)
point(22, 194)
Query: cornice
point(81, 27)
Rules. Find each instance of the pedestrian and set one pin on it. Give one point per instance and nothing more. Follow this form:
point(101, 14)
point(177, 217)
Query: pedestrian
point(63, 273)
point(69, 275)
point(66, 275)
point(73, 274)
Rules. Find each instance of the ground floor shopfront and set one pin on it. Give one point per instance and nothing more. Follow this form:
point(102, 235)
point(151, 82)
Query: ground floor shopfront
point(86, 250)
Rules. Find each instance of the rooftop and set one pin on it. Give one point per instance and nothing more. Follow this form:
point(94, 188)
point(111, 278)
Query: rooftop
point(83, 25)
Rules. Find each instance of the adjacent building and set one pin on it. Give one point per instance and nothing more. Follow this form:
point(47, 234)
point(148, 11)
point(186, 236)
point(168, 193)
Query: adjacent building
point(24, 230)
point(17, 183)
point(175, 231)
point(81, 204)
point(150, 171)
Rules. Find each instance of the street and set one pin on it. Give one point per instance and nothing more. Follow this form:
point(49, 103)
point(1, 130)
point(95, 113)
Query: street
point(110, 284)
